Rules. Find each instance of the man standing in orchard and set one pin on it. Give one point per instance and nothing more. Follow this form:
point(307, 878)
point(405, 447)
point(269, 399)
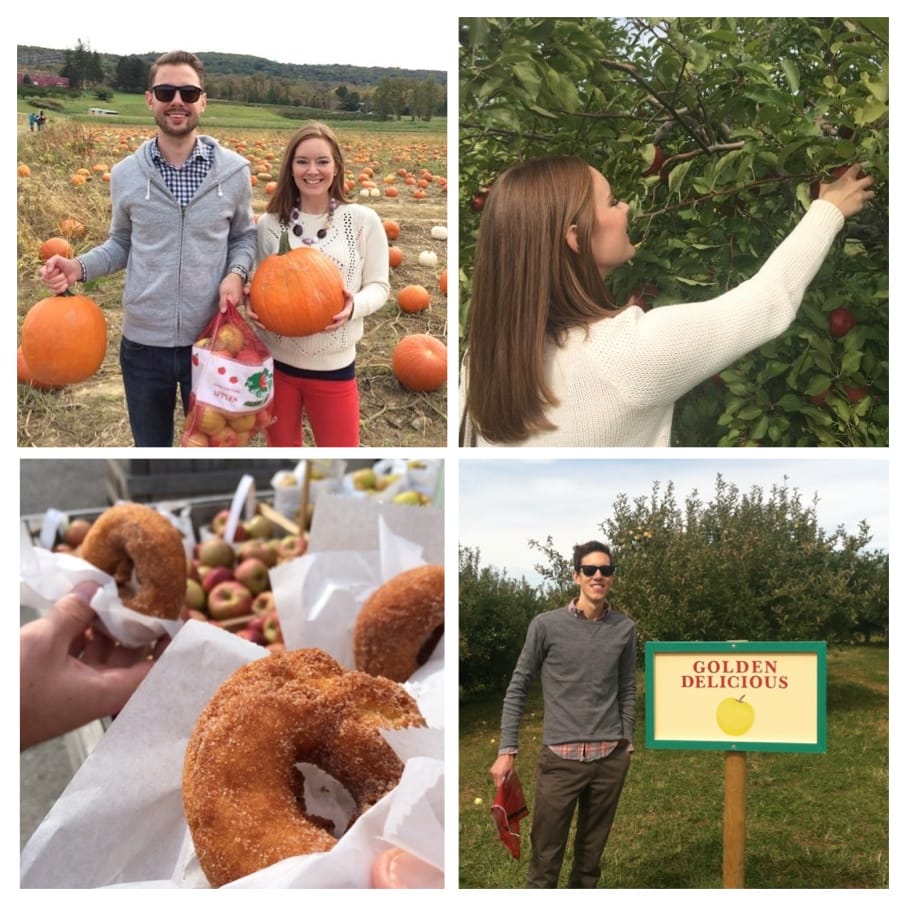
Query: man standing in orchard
point(182, 227)
point(586, 656)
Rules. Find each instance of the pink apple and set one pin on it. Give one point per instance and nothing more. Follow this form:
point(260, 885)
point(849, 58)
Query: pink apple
point(290, 546)
point(215, 576)
point(219, 524)
point(259, 549)
point(229, 599)
point(253, 574)
point(192, 614)
point(264, 602)
point(271, 628)
point(251, 634)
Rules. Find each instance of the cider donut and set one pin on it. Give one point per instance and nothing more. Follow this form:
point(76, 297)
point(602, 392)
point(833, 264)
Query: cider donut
point(400, 624)
point(144, 553)
point(242, 793)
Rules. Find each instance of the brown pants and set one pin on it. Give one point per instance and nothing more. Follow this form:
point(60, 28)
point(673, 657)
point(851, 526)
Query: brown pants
point(561, 784)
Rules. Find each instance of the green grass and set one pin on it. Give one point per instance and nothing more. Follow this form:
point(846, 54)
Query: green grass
point(812, 821)
point(133, 111)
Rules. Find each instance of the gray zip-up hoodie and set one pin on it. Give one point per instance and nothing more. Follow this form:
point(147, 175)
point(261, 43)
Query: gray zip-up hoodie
point(174, 257)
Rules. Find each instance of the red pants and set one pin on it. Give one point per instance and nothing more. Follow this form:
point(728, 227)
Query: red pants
point(332, 409)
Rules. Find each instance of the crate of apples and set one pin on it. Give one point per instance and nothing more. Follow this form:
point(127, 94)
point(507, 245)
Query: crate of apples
point(228, 584)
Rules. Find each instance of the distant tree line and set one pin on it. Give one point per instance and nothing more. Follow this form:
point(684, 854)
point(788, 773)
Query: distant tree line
point(743, 566)
point(384, 93)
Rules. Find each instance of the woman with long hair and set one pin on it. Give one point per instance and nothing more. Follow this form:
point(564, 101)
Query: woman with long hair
point(315, 375)
point(551, 360)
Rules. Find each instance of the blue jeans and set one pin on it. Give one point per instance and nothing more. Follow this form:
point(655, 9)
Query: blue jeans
point(151, 376)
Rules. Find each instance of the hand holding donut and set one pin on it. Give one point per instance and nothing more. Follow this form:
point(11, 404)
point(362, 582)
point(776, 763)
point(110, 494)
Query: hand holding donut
point(69, 674)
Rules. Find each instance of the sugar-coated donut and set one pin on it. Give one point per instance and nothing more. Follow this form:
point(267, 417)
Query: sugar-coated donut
point(144, 552)
point(400, 624)
point(242, 793)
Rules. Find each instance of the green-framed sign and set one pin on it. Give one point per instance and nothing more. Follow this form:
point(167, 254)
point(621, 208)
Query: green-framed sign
point(736, 696)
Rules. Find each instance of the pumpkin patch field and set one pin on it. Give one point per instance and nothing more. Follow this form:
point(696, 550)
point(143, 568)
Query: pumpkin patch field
point(63, 207)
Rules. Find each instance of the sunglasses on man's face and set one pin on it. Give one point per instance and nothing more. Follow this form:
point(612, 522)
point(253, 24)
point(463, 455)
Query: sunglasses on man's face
point(165, 93)
point(590, 569)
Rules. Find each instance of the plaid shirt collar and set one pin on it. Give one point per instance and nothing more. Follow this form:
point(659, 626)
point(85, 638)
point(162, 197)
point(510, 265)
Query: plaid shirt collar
point(184, 181)
point(573, 608)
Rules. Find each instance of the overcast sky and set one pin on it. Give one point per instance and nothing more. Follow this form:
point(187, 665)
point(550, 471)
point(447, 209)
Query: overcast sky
point(504, 503)
point(410, 39)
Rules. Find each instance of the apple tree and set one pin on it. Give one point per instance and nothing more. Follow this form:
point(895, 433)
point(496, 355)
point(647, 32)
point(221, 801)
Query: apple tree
point(494, 613)
point(717, 131)
point(753, 565)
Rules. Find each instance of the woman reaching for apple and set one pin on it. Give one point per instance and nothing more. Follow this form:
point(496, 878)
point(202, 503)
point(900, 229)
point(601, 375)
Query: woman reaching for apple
point(553, 361)
point(316, 374)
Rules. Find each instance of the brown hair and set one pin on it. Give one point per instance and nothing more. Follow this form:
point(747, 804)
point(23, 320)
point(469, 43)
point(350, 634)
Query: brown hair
point(581, 551)
point(529, 286)
point(176, 58)
point(286, 194)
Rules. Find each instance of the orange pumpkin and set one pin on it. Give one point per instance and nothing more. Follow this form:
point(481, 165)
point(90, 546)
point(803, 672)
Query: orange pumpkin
point(72, 228)
point(56, 245)
point(392, 229)
point(420, 362)
point(442, 281)
point(64, 339)
point(413, 298)
point(24, 375)
point(296, 292)
point(396, 255)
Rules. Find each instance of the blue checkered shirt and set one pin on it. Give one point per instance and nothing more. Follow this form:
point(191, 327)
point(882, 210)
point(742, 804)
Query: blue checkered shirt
point(184, 181)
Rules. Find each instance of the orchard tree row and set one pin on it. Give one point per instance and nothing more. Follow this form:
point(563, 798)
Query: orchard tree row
point(717, 132)
point(754, 565)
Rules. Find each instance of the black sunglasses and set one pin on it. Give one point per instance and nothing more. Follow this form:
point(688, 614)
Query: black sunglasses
point(588, 569)
point(165, 93)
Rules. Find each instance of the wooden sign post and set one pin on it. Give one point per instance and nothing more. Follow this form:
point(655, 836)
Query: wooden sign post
point(736, 697)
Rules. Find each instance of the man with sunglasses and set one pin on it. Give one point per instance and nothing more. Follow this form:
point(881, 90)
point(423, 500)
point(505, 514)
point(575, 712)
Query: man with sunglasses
point(585, 654)
point(182, 227)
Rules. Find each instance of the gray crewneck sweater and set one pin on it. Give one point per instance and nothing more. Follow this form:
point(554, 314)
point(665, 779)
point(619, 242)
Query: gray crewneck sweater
point(587, 673)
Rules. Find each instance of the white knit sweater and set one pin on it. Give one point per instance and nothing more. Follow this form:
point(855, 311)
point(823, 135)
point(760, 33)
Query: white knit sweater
point(617, 385)
point(357, 244)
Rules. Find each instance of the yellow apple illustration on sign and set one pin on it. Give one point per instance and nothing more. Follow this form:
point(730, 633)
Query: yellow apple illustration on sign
point(735, 717)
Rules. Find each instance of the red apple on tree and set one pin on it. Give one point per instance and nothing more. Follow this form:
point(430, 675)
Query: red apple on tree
point(840, 322)
point(854, 394)
point(229, 599)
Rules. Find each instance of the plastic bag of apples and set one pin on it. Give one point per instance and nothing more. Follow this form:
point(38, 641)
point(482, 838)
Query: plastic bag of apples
point(232, 384)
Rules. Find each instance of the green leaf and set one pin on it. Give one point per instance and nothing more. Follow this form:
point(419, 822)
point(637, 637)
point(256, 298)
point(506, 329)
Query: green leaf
point(791, 71)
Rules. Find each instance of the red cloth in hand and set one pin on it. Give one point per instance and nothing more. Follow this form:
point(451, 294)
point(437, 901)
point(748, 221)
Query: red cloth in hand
point(508, 810)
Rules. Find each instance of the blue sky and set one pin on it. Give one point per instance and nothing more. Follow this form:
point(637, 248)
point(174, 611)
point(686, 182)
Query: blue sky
point(506, 502)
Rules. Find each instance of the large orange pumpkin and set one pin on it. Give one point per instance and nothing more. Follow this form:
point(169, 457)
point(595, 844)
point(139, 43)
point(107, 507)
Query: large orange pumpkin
point(24, 375)
point(420, 362)
point(296, 292)
point(64, 339)
point(413, 298)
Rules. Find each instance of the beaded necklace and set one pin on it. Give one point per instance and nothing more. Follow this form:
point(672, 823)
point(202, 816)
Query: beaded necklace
point(297, 226)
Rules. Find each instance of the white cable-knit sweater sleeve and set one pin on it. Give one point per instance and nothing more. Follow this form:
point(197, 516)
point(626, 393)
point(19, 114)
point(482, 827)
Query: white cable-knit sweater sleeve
point(666, 352)
point(375, 287)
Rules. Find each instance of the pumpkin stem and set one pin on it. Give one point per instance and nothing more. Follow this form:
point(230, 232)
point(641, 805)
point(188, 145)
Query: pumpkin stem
point(283, 248)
